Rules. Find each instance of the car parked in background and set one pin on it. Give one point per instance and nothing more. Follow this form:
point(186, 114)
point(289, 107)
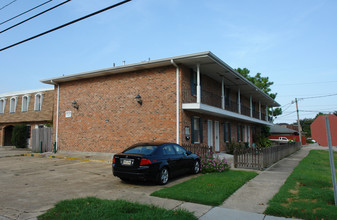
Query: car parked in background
point(155, 162)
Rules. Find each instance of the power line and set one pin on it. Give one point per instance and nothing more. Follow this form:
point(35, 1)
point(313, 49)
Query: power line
point(49, 9)
point(7, 4)
point(308, 83)
point(64, 25)
point(25, 12)
point(315, 97)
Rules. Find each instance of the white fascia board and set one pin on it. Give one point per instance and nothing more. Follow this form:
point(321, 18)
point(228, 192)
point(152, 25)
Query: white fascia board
point(26, 92)
point(207, 109)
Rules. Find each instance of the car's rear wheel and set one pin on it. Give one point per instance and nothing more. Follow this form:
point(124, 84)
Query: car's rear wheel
point(163, 176)
point(196, 167)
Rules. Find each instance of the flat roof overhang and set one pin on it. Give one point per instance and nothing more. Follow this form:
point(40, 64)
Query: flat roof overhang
point(210, 65)
point(210, 110)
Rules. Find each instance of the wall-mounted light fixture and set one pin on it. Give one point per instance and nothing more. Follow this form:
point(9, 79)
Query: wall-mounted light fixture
point(75, 105)
point(139, 99)
point(187, 133)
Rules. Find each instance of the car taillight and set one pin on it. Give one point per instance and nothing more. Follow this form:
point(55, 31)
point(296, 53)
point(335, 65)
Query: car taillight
point(144, 162)
point(113, 160)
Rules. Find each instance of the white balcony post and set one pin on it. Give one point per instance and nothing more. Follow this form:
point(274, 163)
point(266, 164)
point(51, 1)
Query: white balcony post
point(251, 106)
point(239, 101)
point(223, 93)
point(260, 110)
point(198, 84)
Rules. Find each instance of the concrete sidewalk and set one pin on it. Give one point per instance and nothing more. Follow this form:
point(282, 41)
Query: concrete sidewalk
point(255, 195)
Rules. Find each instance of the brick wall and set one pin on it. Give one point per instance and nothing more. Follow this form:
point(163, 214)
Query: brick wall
point(45, 114)
point(109, 119)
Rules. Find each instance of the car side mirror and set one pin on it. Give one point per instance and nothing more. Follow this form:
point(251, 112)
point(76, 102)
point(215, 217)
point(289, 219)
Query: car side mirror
point(188, 153)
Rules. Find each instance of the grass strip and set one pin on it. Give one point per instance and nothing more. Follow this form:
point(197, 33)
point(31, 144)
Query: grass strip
point(93, 208)
point(208, 189)
point(308, 192)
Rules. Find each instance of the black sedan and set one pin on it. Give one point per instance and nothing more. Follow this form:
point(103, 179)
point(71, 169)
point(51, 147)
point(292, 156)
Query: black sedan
point(154, 161)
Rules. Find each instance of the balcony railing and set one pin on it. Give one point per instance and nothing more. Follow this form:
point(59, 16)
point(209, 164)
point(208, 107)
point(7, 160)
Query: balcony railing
point(213, 99)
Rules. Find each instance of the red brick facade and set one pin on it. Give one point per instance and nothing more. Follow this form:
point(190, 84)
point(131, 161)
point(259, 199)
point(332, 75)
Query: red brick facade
point(319, 132)
point(31, 117)
point(109, 118)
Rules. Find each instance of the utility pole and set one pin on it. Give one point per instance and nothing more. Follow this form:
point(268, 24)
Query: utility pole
point(298, 122)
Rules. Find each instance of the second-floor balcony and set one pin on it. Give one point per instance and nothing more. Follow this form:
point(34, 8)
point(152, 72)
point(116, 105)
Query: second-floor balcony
point(215, 100)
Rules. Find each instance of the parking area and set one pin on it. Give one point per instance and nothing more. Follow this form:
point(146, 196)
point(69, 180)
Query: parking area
point(31, 185)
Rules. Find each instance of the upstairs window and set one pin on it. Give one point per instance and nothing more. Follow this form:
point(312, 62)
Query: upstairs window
point(13, 103)
point(25, 103)
point(38, 102)
point(2, 105)
point(227, 97)
point(194, 83)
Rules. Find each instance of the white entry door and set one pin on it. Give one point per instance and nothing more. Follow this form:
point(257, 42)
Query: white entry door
point(216, 136)
point(210, 133)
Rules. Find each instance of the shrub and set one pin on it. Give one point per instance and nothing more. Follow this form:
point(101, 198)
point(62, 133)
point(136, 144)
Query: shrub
point(231, 146)
point(19, 136)
point(209, 164)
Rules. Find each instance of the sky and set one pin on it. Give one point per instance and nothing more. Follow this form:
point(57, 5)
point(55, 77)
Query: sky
point(294, 43)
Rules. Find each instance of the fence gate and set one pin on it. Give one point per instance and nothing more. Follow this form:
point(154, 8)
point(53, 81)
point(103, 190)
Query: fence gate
point(42, 140)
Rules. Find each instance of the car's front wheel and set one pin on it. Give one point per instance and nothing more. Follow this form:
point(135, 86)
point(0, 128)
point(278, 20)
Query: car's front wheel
point(163, 176)
point(196, 167)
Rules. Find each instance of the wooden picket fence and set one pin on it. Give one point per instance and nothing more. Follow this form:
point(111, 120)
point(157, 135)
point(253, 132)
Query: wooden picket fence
point(198, 148)
point(42, 140)
point(260, 158)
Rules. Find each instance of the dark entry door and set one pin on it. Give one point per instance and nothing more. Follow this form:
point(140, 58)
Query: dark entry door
point(8, 136)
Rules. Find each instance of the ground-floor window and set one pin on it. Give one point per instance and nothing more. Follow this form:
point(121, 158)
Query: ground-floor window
point(239, 133)
point(227, 130)
point(196, 127)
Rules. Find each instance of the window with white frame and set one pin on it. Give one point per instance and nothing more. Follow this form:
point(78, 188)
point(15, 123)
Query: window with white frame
point(13, 103)
point(2, 105)
point(38, 102)
point(25, 103)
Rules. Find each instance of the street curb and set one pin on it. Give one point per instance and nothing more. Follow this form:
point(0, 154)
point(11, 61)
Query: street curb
point(69, 158)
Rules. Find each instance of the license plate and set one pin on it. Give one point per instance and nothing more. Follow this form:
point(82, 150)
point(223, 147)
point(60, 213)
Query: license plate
point(127, 162)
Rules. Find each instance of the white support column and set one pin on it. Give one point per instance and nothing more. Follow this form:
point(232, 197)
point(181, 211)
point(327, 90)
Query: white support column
point(223, 93)
point(251, 106)
point(259, 110)
point(266, 113)
point(239, 101)
point(198, 84)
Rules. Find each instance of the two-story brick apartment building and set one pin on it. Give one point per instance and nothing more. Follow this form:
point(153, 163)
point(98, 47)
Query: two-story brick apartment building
point(195, 98)
point(33, 108)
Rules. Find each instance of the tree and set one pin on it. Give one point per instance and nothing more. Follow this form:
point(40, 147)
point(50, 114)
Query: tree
point(19, 136)
point(262, 83)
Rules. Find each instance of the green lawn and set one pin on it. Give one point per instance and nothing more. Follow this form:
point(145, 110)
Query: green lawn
point(209, 189)
point(93, 208)
point(308, 192)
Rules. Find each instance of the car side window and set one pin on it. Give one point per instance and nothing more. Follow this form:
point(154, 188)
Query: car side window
point(168, 150)
point(179, 149)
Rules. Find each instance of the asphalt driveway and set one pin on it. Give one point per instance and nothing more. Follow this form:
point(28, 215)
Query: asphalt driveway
point(31, 185)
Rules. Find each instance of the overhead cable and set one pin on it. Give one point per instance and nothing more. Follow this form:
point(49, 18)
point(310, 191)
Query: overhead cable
point(25, 12)
point(7, 4)
point(64, 25)
point(315, 97)
point(49, 9)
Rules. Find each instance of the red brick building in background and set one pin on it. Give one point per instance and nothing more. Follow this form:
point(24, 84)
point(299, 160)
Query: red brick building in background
point(277, 131)
point(189, 99)
point(319, 132)
point(32, 107)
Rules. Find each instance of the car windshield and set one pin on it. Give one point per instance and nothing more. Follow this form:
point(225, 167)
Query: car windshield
point(144, 150)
